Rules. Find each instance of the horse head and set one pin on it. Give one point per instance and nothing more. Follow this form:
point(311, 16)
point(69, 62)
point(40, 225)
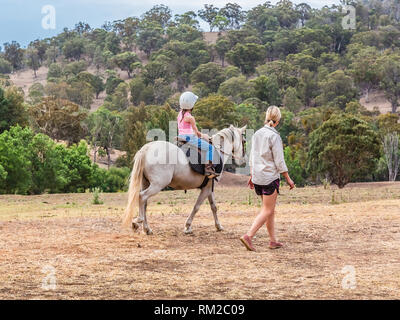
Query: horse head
point(231, 142)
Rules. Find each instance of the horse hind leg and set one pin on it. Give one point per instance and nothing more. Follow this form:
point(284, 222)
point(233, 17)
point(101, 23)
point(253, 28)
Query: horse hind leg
point(136, 223)
point(144, 196)
point(139, 219)
point(211, 199)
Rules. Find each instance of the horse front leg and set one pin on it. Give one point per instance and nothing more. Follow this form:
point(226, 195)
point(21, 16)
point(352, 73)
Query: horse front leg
point(203, 195)
point(211, 199)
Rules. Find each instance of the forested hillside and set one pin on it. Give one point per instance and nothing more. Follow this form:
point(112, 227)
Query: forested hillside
point(110, 85)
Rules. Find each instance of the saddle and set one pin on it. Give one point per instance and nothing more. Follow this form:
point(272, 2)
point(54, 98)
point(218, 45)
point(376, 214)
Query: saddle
point(197, 158)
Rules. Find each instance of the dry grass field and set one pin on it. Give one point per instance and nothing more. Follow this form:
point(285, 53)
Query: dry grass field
point(326, 232)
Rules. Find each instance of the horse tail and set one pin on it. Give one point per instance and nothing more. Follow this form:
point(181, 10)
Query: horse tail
point(135, 187)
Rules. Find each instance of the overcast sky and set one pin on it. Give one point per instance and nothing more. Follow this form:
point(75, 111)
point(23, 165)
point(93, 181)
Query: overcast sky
point(21, 20)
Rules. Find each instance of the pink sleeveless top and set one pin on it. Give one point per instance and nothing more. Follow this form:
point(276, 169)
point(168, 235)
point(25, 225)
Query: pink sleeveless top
point(184, 127)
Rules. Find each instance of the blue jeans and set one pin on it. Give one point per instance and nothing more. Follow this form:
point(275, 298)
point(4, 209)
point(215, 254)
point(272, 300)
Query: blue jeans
point(200, 143)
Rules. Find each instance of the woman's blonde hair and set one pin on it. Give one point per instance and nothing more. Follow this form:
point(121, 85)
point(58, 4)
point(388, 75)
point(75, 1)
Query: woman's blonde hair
point(273, 115)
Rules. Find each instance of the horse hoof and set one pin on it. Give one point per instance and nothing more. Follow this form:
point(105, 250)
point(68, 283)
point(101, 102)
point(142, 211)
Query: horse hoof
point(149, 232)
point(135, 226)
point(220, 228)
point(188, 231)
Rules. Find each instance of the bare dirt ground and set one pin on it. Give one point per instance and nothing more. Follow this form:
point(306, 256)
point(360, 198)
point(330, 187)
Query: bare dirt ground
point(326, 232)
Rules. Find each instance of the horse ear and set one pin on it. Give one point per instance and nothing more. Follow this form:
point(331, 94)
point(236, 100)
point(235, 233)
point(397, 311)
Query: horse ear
point(231, 127)
point(244, 128)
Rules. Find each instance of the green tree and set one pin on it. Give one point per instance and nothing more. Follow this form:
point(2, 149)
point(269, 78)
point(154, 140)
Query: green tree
point(286, 14)
point(118, 100)
point(291, 100)
point(233, 12)
point(305, 11)
point(140, 92)
point(215, 112)
point(49, 172)
point(135, 130)
point(222, 47)
point(365, 70)
point(297, 172)
point(185, 33)
point(74, 48)
point(285, 73)
point(337, 90)
point(95, 81)
point(182, 59)
point(58, 118)
point(112, 43)
point(208, 14)
point(41, 46)
point(159, 14)
point(246, 56)
point(159, 68)
point(105, 131)
point(390, 78)
point(55, 71)
point(231, 72)
point(15, 160)
point(150, 38)
point(344, 148)
point(125, 61)
point(237, 88)
point(74, 68)
point(262, 18)
point(211, 74)
point(12, 108)
point(248, 114)
point(127, 30)
point(112, 82)
point(80, 92)
point(14, 54)
point(32, 59)
point(80, 170)
point(36, 93)
point(267, 89)
point(159, 117)
point(5, 66)
point(220, 22)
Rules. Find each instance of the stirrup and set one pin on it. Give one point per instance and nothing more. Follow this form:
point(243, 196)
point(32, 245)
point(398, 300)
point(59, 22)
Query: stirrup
point(211, 173)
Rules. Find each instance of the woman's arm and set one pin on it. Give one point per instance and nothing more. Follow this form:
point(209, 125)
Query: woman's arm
point(279, 159)
point(288, 180)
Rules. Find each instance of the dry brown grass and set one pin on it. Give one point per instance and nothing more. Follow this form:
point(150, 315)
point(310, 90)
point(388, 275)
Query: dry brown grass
point(95, 259)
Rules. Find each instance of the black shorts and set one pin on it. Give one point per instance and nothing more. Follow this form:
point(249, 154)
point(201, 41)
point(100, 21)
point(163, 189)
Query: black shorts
point(268, 189)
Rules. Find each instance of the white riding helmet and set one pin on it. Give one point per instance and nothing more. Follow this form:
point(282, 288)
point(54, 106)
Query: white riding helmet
point(187, 100)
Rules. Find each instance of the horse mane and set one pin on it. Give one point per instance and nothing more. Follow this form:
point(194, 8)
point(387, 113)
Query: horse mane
point(228, 134)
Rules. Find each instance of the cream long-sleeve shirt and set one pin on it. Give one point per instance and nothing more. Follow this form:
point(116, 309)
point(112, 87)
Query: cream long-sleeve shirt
point(267, 160)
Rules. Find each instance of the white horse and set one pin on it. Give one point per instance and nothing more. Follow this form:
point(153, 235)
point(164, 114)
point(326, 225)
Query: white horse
point(160, 164)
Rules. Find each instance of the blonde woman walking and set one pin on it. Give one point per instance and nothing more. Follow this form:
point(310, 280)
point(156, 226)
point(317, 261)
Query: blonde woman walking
point(267, 163)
